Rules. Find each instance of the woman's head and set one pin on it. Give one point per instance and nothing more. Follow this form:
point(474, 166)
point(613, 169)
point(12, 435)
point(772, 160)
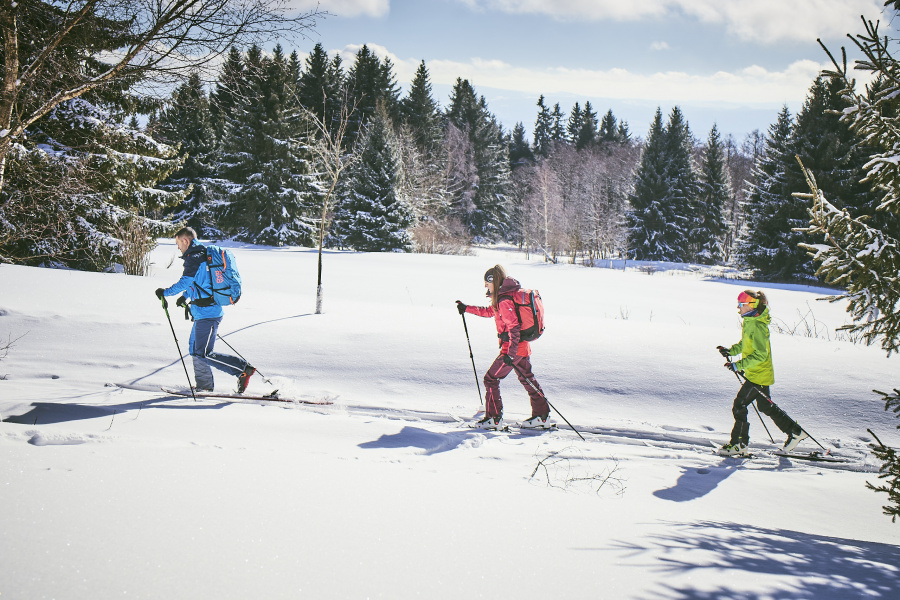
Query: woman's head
point(493, 279)
point(751, 303)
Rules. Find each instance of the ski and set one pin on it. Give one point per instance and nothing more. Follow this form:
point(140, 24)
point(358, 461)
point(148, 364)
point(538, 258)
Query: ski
point(816, 456)
point(270, 397)
point(513, 427)
point(717, 448)
point(502, 427)
point(539, 429)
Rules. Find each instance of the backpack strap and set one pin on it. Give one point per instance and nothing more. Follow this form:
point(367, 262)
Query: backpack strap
point(512, 299)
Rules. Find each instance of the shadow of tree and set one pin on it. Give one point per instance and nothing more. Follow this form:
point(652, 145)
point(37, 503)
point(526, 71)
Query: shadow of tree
point(818, 566)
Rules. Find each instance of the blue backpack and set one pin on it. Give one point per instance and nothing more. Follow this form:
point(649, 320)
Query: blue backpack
point(224, 277)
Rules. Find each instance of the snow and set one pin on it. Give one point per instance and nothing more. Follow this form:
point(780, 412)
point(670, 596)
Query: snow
point(112, 492)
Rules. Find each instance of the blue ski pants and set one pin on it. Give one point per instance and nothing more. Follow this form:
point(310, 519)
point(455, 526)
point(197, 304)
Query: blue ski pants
point(203, 338)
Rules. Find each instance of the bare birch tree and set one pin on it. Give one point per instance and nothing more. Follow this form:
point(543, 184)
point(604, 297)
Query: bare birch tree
point(331, 161)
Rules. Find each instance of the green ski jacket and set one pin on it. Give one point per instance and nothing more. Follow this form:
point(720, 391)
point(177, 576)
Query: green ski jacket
point(755, 350)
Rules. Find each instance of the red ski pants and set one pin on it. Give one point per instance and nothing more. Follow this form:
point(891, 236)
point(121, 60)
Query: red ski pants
point(499, 370)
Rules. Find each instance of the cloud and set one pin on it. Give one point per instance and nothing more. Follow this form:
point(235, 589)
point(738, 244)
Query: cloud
point(750, 85)
point(345, 8)
point(659, 46)
point(761, 21)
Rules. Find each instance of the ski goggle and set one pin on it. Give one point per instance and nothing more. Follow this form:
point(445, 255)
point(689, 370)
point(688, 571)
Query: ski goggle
point(489, 276)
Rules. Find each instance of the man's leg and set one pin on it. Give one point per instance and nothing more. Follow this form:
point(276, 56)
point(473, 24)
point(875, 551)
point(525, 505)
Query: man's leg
point(203, 331)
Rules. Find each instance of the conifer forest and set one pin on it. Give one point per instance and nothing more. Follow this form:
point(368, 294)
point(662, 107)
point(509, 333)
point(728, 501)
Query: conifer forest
point(95, 167)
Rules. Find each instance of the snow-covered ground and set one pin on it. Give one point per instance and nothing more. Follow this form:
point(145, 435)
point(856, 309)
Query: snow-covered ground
point(108, 492)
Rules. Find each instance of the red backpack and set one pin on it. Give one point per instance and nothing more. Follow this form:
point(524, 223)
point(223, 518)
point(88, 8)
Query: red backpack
point(530, 312)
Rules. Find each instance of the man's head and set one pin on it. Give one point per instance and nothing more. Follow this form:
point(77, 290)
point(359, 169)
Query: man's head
point(184, 237)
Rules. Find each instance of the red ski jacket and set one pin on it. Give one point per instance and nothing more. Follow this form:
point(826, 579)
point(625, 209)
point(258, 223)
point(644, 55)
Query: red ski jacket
point(506, 320)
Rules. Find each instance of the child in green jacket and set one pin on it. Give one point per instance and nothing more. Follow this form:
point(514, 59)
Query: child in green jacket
point(756, 365)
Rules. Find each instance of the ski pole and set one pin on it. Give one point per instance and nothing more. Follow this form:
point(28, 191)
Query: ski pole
point(264, 378)
point(763, 394)
point(472, 357)
point(165, 306)
point(756, 409)
point(741, 381)
point(535, 388)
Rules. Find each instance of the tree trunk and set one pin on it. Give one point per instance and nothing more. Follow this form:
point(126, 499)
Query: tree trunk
point(10, 75)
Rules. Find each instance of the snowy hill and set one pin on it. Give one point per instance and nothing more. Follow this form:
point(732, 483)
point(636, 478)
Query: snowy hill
point(112, 492)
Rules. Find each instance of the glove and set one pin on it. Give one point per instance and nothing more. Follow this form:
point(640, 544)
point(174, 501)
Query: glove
point(159, 293)
point(507, 360)
point(731, 367)
point(461, 307)
point(181, 301)
point(723, 351)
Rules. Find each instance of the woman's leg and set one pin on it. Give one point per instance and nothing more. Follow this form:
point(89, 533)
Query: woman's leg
point(539, 406)
point(493, 405)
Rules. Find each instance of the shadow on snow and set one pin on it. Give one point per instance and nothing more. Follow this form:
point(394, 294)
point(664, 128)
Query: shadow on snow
point(820, 567)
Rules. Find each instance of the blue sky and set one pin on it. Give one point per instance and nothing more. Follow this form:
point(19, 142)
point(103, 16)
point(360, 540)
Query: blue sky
point(733, 62)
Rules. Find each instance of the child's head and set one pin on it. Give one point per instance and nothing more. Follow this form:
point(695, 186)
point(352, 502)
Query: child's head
point(751, 303)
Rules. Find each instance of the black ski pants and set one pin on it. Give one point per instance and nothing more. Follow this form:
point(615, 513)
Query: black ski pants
point(760, 393)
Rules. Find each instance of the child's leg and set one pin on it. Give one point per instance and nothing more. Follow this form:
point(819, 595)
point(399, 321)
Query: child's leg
point(786, 424)
point(740, 433)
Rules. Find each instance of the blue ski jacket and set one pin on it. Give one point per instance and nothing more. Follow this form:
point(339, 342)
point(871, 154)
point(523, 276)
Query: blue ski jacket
point(195, 277)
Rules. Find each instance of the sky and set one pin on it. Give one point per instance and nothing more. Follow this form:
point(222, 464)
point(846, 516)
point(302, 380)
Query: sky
point(734, 63)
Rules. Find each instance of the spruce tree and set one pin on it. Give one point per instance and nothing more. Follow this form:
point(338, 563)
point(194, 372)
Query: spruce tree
point(609, 129)
point(272, 195)
point(421, 113)
point(710, 227)
point(623, 134)
point(371, 83)
point(767, 194)
point(229, 88)
point(319, 88)
point(485, 214)
point(862, 253)
point(543, 126)
point(520, 153)
point(828, 148)
point(683, 186)
point(650, 218)
point(573, 126)
point(371, 216)
point(587, 135)
point(492, 161)
point(188, 120)
point(557, 127)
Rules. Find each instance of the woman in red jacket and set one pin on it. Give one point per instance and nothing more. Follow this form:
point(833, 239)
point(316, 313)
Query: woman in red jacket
point(513, 352)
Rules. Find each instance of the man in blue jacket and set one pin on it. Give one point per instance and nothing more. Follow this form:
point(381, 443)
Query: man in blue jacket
point(206, 314)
